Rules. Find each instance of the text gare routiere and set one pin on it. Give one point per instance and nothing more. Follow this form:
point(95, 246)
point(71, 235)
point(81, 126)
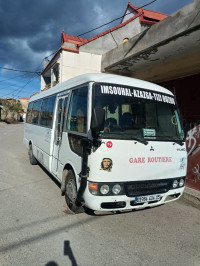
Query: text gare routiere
point(150, 160)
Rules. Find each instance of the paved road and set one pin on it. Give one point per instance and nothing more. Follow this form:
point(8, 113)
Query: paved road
point(36, 230)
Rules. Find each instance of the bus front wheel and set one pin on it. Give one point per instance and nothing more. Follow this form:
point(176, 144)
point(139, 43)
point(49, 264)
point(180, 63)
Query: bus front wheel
point(71, 192)
point(32, 158)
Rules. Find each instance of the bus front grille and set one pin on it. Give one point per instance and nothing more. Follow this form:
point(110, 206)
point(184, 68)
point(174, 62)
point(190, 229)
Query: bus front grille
point(142, 188)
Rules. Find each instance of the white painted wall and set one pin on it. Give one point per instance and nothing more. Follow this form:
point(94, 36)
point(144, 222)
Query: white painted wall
point(74, 64)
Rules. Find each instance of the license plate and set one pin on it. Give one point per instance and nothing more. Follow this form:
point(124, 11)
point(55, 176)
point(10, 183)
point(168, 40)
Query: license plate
point(143, 199)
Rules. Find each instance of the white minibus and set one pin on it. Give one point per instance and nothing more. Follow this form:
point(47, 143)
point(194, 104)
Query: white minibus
point(114, 143)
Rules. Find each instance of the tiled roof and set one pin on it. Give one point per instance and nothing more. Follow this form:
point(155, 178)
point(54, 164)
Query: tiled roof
point(71, 39)
point(146, 16)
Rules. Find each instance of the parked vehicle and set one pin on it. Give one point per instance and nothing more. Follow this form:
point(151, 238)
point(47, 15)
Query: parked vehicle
point(113, 142)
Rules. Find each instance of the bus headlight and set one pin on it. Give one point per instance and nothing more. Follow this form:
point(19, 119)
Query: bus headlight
point(116, 189)
point(104, 189)
point(175, 184)
point(181, 182)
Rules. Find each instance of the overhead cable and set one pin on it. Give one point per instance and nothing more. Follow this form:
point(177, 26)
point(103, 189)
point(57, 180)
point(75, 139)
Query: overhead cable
point(116, 19)
point(11, 69)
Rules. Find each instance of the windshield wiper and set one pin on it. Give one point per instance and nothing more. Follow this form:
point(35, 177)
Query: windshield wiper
point(127, 137)
point(143, 141)
point(178, 141)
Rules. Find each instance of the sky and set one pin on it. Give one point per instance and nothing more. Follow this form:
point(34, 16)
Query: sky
point(31, 31)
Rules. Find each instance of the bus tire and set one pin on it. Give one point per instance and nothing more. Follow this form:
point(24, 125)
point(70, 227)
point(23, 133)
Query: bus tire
point(71, 192)
point(32, 158)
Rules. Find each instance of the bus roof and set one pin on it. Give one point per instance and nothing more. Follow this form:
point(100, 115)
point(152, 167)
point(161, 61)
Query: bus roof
point(100, 77)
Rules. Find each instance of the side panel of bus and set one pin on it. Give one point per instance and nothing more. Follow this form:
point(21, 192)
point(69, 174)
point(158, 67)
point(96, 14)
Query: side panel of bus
point(70, 127)
point(38, 129)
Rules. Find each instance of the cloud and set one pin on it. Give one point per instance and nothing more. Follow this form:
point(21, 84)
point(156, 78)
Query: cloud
point(39, 24)
point(31, 30)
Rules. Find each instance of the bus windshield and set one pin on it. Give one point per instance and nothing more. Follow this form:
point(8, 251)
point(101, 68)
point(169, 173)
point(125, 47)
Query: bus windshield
point(135, 113)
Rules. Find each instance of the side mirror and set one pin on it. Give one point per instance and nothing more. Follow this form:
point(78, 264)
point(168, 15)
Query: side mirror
point(97, 121)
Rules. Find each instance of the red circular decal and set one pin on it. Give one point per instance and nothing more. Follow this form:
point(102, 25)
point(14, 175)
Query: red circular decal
point(109, 144)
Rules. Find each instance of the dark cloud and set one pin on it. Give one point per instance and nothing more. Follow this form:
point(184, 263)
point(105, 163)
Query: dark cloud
point(31, 30)
point(39, 23)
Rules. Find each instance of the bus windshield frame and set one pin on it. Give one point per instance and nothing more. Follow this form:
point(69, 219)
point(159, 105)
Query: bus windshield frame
point(138, 113)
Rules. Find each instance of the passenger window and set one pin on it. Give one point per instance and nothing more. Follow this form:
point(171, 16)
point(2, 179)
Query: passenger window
point(77, 116)
point(29, 111)
point(35, 112)
point(58, 121)
point(46, 116)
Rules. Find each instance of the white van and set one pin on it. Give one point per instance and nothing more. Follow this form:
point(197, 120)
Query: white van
point(113, 142)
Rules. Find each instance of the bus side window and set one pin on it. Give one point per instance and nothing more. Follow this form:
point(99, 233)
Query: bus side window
point(29, 111)
point(35, 112)
point(46, 115)
point(77, 115)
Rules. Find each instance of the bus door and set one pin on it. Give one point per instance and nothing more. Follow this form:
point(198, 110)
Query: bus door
point(60, 118)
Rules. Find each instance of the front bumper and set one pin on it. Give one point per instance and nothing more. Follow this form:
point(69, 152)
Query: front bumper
point(122, 202)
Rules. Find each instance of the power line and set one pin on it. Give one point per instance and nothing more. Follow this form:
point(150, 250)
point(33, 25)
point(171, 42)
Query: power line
point(115, 19)
point(17, 94)
point(3, 80)
point(29, 81)
point(15, 84)
point(11, 85)
point(39, 72)
point(11, 69)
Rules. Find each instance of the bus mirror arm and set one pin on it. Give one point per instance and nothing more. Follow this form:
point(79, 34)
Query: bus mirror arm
point(87, 145)
point(97, 123)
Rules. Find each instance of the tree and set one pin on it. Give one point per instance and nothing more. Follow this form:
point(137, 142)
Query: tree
point(15, 108)
point(12, 107)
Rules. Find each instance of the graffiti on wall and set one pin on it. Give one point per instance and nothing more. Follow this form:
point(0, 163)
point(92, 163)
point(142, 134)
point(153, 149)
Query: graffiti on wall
point(196, 171)
point(193, 150)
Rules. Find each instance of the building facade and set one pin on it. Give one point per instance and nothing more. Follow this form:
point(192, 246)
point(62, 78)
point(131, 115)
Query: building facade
point(78, 56)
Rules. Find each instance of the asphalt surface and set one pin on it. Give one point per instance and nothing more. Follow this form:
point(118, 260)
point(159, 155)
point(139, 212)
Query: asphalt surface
point(36, 230)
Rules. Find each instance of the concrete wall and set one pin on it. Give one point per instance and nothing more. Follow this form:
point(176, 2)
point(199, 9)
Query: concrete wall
point(106, 42)
point(169, 49)
point(24, 103)
point(74, 64)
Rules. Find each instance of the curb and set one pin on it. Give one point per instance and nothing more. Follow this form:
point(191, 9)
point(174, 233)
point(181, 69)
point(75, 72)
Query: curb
point(192, 197)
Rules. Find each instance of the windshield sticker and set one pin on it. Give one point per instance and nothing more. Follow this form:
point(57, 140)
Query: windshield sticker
point(150, 160)
point(136, 93)
point(106, 164)
point(149, 132)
